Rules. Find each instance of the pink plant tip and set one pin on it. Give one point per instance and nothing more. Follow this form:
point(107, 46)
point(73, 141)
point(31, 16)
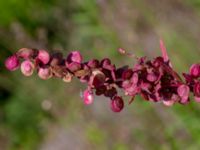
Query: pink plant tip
point(43, 56)
point(12, 63)
point(74, 56)
point(183, 91)
point(44, 73)
point(195, 70)
point(88, 97)
point(25, 53)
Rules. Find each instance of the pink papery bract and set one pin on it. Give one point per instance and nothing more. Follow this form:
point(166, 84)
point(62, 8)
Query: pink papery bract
point(43, 56)
point(117, 104)
point(12, 63)
point(88, 97)
point(27, 68)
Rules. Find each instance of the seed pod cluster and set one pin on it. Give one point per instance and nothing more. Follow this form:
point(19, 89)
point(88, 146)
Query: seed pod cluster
point(154, 80)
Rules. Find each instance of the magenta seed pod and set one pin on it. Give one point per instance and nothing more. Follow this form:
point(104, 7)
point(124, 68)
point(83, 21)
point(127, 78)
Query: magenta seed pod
point(97, 79)
point(174, 98)
point(88, 97)
point(12, 63)
point(105, 62)
point(74, 56)
point(67, 77)
point(94, 63)
point(25, 53)
point(117, 104)
point(134, 78)
point(183, 91)
point(196, 89)
point(27, 68)
point(56, 59)
point(127, 74)
point(73, 66)
point(195, 70)
point(44, 73)
point(43, 56)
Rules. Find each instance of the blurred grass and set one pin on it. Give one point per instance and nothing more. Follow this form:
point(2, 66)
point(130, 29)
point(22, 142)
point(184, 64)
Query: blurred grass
point(97, 28)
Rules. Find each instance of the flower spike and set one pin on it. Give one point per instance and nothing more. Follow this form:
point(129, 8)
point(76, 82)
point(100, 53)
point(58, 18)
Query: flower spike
point(154, 80)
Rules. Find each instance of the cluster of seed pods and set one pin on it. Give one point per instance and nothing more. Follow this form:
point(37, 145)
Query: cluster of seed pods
point(155, 80)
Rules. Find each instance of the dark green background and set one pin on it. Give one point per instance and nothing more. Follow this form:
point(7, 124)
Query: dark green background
point(97, 28)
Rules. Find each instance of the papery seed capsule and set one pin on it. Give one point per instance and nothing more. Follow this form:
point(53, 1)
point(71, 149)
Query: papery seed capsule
point(12, 63)
point(45, 73)
point(196, 89)
point(134, 78)
point(184, 100)
point(120, 71)
point(83, 74)
point(151, 77)
point(127, 74)
point(117, 104)
point(25, 53)
point(195, 70)
point(27, 68)
point(58, 71)
point(105, 62)
point(132, 90)
point(74, 66)
point(97, 79)
point(88, 97)
point(56, 59)
point(67, 77)
point(74, 56)
point(145, 86)
point(183, 90)
point(188, 78)
point(174, 98)
point(137, 67)
point(126, 84)
point(94, 63)
point(158, 61)
point(43, 56)
point(110, 67)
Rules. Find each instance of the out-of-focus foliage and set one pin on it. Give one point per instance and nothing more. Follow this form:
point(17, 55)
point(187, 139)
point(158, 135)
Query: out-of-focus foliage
point(49, 115)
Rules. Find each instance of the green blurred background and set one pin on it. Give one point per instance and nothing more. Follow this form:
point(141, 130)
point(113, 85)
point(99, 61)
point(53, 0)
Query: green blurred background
point(50, 115)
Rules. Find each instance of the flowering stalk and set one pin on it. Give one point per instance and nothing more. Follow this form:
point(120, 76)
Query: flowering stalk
point(155, 80)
